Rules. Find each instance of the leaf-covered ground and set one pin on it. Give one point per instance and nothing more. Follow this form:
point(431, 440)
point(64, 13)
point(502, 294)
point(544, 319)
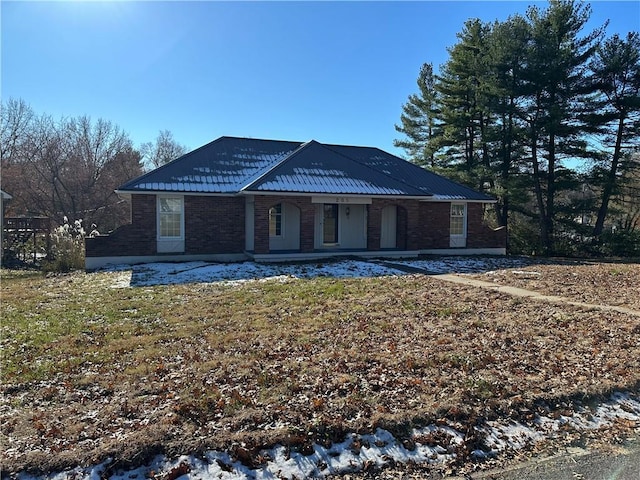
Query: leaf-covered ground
point(90, 371)
point(616, 284)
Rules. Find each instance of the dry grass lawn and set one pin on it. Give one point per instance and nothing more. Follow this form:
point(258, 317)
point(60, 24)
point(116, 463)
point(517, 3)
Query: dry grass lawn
point(90, 372)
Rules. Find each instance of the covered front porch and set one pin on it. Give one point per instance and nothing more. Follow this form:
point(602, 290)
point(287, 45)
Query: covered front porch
point(306, 227)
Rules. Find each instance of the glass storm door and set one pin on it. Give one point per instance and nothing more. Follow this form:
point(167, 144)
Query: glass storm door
point(330, 222)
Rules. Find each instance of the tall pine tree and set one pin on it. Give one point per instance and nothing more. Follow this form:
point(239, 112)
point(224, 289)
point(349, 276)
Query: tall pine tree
point(616, 72)
point(417, 121)
point(463, 106)
point(555, 89)
point(507, 49)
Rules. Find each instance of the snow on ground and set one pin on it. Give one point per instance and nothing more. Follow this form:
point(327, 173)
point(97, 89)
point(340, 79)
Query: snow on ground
point(230, 273)
point(465, 264)
point(359, 452)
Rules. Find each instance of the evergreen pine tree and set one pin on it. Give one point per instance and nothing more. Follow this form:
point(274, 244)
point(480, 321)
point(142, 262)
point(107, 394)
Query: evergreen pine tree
point(616, 72)
point(463, 106)
point(418, 120)
point(555, 89)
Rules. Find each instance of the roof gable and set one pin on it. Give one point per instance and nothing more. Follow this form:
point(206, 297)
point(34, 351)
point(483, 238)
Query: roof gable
point(314, 168)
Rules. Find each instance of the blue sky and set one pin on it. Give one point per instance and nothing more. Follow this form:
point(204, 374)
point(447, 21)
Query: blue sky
point(336, 72)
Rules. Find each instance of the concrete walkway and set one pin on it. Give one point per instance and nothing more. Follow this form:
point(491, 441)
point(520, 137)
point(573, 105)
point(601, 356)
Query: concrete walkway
point(516, 292)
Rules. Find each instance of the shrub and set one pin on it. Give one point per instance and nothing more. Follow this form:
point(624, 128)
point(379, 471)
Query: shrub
point(524, 236)
point(621, 243)
point(67, 248)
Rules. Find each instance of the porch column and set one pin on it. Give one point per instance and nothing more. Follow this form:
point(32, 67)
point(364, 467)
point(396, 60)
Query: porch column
point(261, 225)
point(307, 224)
point(374, 224)
point(413, 226)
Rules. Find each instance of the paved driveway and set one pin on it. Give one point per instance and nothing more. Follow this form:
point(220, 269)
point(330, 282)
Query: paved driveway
point(574, 466)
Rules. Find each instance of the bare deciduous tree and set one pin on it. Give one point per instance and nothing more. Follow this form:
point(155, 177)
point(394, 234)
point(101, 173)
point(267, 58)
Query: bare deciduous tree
point(67, 168)
point(15, 118)
point(165, 149)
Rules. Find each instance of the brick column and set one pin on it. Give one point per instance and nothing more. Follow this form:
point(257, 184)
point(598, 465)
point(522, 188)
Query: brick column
point(374, 224)
point(413, 226)
point(307, 224)
point(261, 223)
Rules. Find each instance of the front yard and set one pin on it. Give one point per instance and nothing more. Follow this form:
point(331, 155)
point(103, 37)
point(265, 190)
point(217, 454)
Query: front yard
point(95, 369)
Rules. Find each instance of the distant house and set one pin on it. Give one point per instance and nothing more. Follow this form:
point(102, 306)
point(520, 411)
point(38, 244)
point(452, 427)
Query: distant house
point(270, 200)
point(4, 198)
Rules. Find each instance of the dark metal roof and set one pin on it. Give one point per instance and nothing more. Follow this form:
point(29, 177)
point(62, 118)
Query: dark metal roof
point(424, 180)
point(314, 168)
point(222, 166)
point(231, 165)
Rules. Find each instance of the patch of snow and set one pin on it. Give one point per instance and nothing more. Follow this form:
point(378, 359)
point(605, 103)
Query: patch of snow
point(358, 452)
point(150, 274)
point(122, 279)
point(465, 264)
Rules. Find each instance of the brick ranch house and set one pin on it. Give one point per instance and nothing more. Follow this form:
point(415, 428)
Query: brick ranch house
point(267, 200)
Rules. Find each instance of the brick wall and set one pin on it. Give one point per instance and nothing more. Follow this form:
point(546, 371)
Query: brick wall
point(434, 225)
point(136, 238)
point(213, 224)
point(216, 225)
point(435, 221)
point(479, 234)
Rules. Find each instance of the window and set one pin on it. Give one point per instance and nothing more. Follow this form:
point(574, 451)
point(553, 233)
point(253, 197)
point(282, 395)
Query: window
point(170, 217)
point(457, 226)
point(275, 221)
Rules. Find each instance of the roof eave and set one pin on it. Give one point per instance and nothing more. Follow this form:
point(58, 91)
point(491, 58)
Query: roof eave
point(325, 194)
point(446, 198)
point(176, 192)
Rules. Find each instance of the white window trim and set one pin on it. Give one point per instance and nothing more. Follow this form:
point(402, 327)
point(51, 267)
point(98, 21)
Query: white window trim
point(158, 213)
point(282, 229)
point(464, 220)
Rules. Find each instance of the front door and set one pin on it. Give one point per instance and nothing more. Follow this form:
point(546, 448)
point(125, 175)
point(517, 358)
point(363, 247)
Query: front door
point(388, 225)
point(330, 224)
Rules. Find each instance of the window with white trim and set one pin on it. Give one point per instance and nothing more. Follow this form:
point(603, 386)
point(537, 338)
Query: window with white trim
point(170, 211)
point(457, 224)
point(275, 221)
